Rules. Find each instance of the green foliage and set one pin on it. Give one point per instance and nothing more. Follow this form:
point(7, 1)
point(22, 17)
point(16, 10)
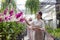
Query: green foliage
point(9, 28)
point(33, 5)
point(54, 32)
point(6, 4)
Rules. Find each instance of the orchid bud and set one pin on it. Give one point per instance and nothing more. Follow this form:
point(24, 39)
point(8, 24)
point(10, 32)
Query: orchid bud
point(5, 11)
point(7, 18)
point(11, 12)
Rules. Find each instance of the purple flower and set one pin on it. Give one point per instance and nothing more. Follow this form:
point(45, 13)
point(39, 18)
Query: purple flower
point(11, 12)
point(5, 11)
point(7, 18)
point(19, 14)
point(21, 20)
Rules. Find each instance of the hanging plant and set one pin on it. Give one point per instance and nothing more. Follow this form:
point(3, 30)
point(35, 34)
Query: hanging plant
point(32, 5)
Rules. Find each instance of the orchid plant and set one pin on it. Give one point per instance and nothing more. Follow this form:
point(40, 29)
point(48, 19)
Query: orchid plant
point(7, 25)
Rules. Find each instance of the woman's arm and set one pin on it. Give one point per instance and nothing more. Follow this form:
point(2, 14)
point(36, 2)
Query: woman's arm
point(27, 22)
point(36, 28)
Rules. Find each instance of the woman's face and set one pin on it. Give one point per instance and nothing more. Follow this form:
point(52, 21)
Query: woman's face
point(38, 16)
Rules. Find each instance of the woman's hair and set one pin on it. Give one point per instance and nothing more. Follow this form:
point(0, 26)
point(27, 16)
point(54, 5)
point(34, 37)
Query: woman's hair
point(40, 13)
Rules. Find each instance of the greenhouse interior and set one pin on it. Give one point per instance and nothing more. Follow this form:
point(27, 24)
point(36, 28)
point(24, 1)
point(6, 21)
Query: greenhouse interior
point(29, 19)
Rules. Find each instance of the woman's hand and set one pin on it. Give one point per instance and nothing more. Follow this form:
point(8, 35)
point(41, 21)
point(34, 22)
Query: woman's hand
point(26, 21)
point(29, 27)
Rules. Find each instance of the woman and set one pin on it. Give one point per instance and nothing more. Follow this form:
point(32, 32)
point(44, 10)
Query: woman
point(38, 27)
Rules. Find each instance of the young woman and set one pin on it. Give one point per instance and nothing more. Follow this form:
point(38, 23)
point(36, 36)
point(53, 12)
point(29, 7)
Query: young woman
point(38, 27)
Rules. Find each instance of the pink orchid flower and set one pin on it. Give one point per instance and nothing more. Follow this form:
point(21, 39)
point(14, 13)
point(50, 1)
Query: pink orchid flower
point(7, 18)
point(11, 12)
point(19, 14)
point(5, 11)
point(21, 20)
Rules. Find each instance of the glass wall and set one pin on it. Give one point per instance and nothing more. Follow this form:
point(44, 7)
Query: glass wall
point(49, 10)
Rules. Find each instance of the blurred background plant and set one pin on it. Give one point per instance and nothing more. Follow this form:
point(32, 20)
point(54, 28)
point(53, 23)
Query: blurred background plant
point(10, 27)
point(53, 32)
point(7, 4)
point(32, 5)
